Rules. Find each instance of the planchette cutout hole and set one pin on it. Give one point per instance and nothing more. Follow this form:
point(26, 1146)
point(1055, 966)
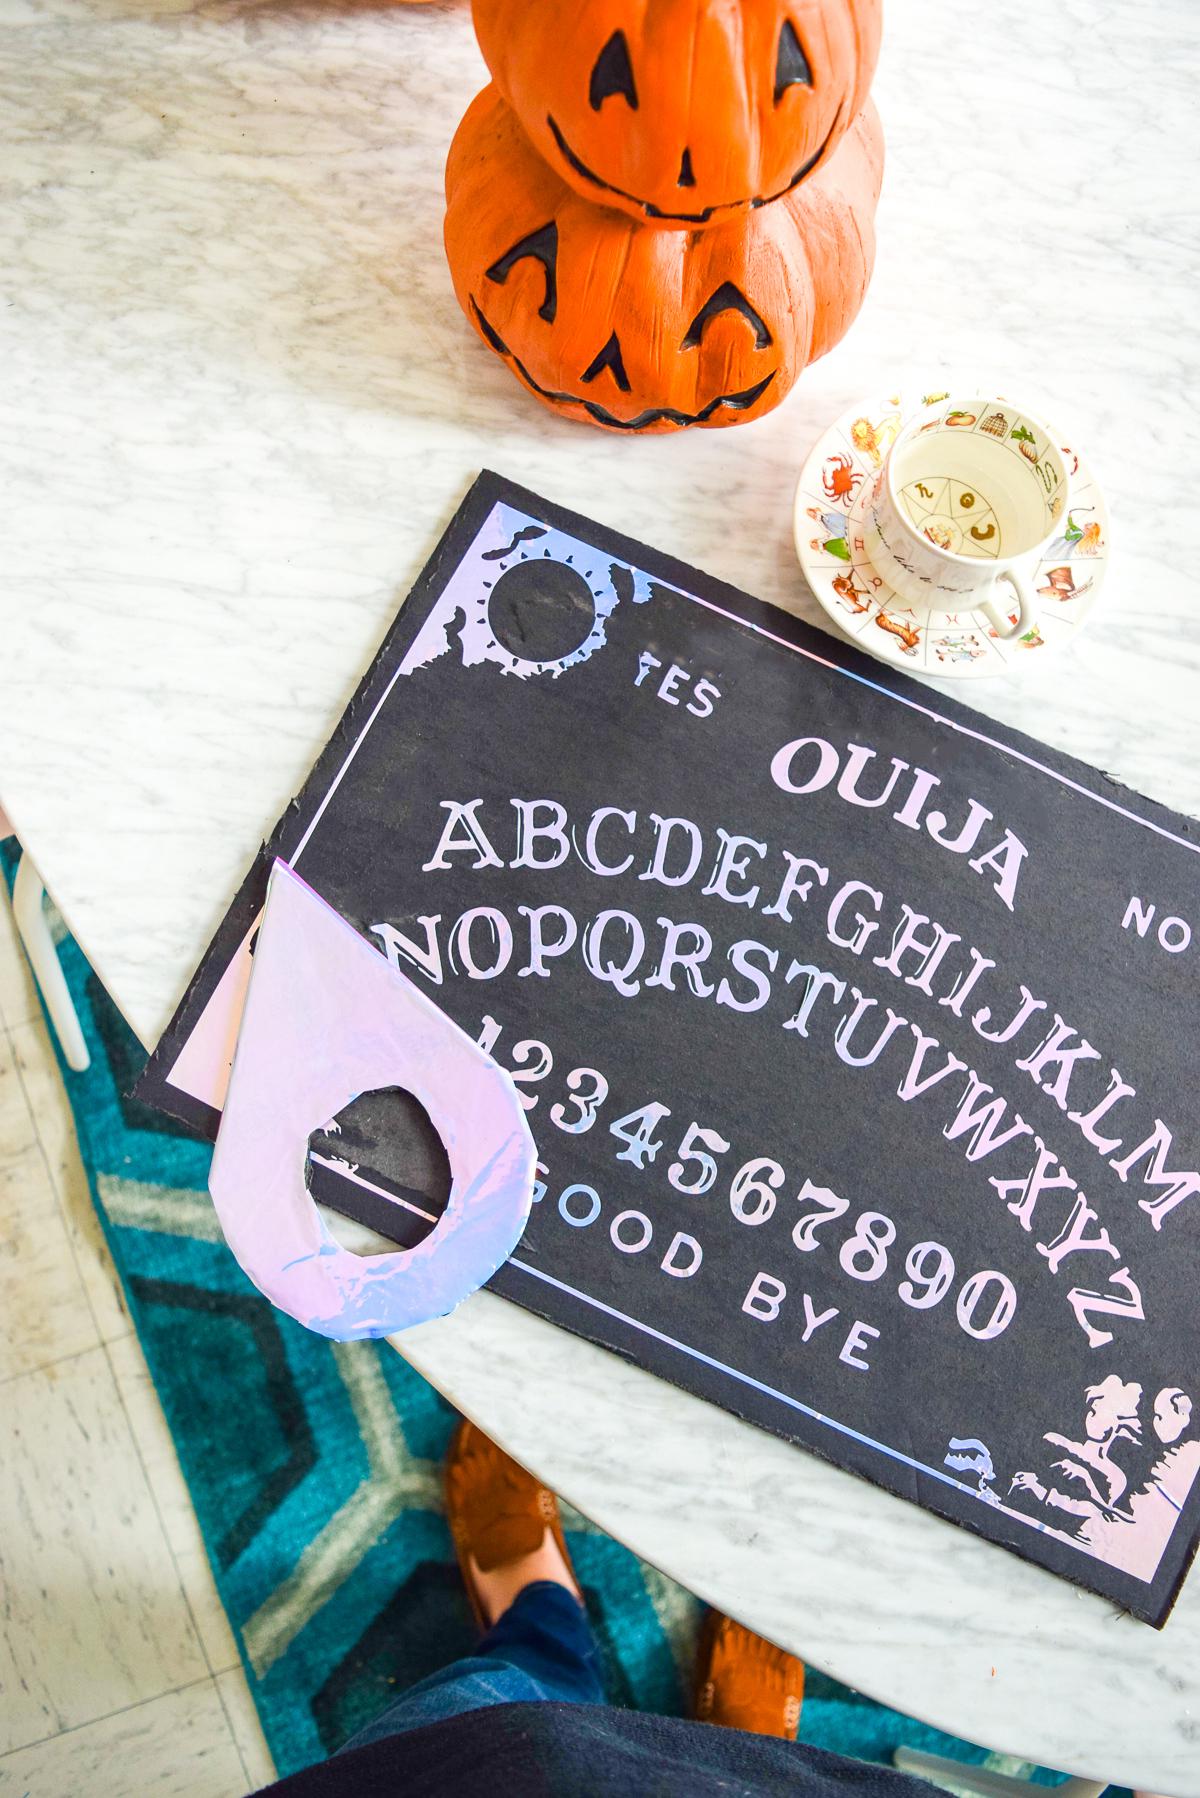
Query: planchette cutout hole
point(541, 610)
point(381, 1177)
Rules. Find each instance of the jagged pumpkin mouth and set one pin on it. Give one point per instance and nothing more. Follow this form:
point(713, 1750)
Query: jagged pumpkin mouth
point(692, 218)
point(735, 402)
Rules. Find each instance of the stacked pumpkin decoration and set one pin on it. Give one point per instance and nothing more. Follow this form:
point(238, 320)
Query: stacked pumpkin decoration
point(661, 210)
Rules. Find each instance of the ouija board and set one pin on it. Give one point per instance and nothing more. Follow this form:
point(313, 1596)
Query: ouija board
point(857, 1034)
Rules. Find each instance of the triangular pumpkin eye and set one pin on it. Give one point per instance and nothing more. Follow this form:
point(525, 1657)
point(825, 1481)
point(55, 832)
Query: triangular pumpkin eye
point(727, 298)
point(791, 64)
point(612, 74)
point(543, 247)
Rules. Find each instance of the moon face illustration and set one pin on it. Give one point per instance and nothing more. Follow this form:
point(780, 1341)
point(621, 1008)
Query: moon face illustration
point(528, 598)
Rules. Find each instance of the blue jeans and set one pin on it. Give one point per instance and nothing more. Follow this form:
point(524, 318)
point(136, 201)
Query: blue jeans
point(542, 1648)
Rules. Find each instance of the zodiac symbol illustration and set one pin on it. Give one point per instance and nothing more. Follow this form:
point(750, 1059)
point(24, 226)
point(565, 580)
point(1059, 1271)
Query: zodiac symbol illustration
point(958, 649)
point(1060, 585)
point(835, 523)
point(839, 478)
point(873, 440)
point(981, 533)
point(1026, 442)
point(850, 596)
point(1077, 539)
point(909, 638)
point(924, 491)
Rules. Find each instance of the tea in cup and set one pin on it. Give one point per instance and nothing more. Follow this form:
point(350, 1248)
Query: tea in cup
point(970, 494)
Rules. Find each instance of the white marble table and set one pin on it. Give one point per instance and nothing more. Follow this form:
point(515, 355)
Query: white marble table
point(239, 404)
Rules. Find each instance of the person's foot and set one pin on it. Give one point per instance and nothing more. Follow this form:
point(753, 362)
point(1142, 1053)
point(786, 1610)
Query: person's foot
point(744, 1682)
point(505, 1525)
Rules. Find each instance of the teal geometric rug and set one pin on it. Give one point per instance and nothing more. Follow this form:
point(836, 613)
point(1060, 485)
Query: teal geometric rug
point(315, 1467)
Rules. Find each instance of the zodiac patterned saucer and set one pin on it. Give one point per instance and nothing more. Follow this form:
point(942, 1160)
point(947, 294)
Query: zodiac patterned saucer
point(831, 497)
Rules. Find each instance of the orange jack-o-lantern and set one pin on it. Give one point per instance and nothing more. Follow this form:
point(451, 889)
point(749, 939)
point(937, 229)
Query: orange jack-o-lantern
point(642, 329)
point(682, 111)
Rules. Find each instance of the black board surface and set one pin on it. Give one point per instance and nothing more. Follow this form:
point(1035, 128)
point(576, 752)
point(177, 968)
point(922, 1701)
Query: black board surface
point(858, 1033)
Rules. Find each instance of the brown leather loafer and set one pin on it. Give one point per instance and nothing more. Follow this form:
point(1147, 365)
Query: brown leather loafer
point(744, 1682)
point(496, 1511)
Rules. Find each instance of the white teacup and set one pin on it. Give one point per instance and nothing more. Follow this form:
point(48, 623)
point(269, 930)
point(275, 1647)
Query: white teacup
point(970, 493)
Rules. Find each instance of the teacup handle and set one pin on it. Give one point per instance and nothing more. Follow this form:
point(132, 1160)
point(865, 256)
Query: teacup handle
point(1023, 587)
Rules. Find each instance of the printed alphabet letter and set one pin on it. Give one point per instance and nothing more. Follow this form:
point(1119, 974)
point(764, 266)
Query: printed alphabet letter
point(1027, 1008)
point(1071, 1237)
point(1034, 1184)
point(528, 833)
point(396, 944)
point(673, 957)
point(1051, 1049)
point(701, 692)
point(812, 1323)
point(848, 785)
point(762, 986)
point(1005, 859)
point(857, 1339)
point(966, 839)
point(962, 987)
point(539, 948)
point(817, 979)
point(792, 884)
point(593, 937)
point(764, 1298)
point(1179, 1186)
point(501, 941)
point(984, 1122)
point(910, 811)
point(857, 942)
point(658, 867)
point(1117, 1089)
point(827, 765)
point(730, 862)
point(905, 937)
point(474, 837)
point(590, 856)
point(1138, 915)
point(680, 1243)
point(912, 1085)
point(669, 682)
point(849, 1025)
point(1083, 1303)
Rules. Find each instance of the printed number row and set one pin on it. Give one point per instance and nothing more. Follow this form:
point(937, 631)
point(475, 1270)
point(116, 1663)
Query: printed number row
point(929, 1264)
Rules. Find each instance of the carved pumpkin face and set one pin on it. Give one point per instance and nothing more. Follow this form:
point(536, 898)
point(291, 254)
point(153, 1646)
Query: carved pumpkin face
point(682, 112)
point(641, 329)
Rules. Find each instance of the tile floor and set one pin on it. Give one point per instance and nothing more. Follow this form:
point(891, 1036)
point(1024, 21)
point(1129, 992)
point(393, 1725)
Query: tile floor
point(118, 1672)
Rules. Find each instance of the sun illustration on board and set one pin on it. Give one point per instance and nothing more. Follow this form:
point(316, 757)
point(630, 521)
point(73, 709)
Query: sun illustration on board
point(528, 598)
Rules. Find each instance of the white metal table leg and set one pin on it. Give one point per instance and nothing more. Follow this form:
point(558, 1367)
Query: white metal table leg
point(30, 920)
point(982, 1782)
